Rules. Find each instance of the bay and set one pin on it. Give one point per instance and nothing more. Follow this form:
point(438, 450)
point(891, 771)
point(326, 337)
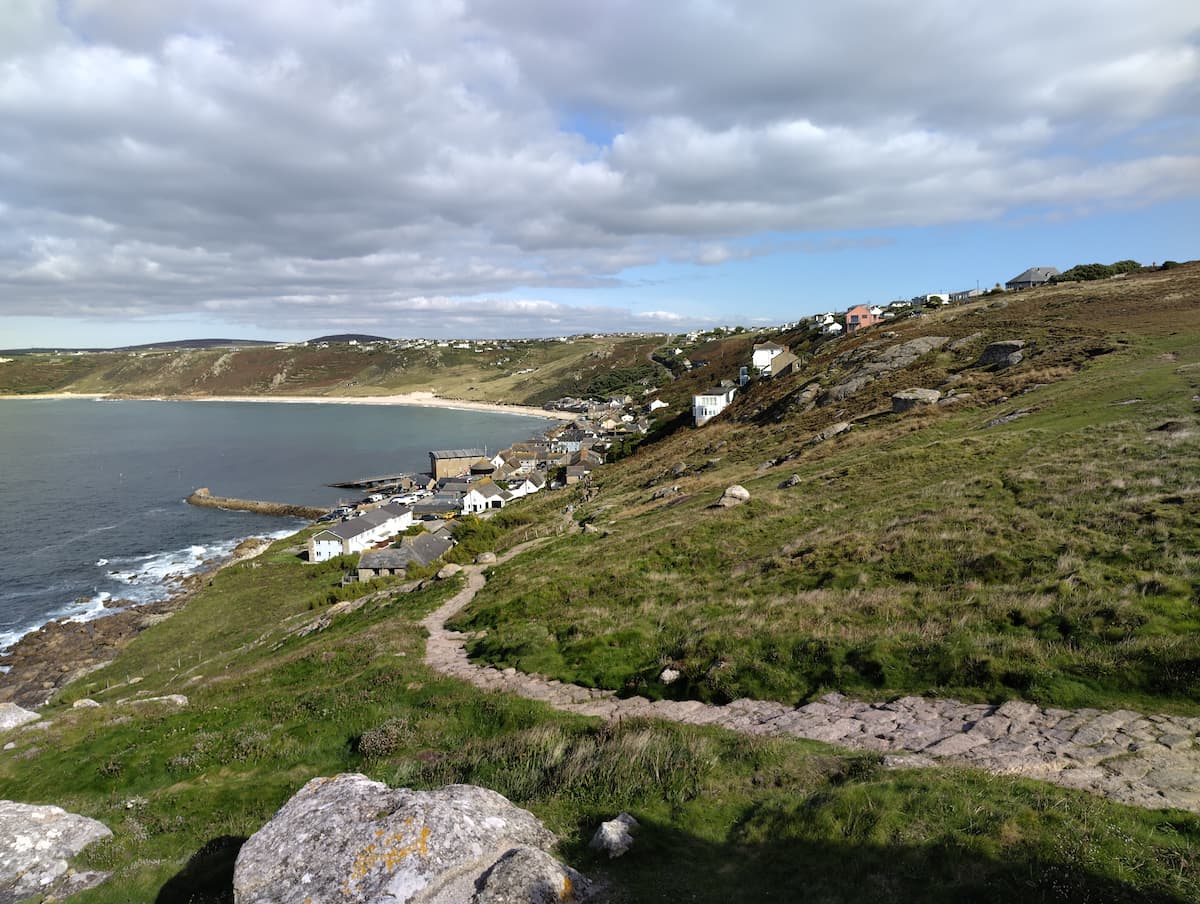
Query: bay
point(91, 491)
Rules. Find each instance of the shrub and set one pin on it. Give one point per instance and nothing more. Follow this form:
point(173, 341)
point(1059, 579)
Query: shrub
point(383, 740)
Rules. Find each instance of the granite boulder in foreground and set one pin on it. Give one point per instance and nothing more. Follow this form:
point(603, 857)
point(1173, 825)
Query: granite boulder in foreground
point(35, 845)
point(351, 839)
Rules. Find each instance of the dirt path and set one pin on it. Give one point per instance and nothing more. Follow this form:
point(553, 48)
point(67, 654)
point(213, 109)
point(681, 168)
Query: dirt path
point(1148, 761)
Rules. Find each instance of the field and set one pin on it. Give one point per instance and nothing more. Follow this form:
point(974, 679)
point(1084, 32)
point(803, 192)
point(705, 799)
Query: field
point(724, 817)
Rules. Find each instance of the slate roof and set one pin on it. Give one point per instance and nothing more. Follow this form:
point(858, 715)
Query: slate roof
point(457, 453)
point(1035, 275)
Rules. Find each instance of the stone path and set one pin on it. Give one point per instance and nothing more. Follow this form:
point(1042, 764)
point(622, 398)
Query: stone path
point(1148, 761)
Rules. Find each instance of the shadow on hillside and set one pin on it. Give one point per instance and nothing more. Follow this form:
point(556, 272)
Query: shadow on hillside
point(208, 876)
point(766, 862)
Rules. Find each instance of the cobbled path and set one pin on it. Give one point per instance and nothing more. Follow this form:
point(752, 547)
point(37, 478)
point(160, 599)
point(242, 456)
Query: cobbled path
point(1148, 761)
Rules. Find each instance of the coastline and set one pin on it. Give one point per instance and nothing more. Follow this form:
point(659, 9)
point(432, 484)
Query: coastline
point(419, 399)
point(45, 660)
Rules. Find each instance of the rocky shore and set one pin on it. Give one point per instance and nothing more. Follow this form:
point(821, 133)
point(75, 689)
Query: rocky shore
point(48, 659)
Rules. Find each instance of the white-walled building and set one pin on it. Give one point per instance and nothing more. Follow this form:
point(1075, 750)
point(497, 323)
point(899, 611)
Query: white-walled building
point(764, 354)
point(710, 403)
point(359, 534)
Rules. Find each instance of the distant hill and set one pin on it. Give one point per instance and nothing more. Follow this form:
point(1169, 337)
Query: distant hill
point(198, 343)
point(178, 343)
point(350, 337)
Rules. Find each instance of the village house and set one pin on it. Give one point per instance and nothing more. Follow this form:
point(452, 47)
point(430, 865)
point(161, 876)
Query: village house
point(833, 328)
point(710, 403)
point(452, 462)
point(358, 534)
point(1034, 276)
point(484, 495)
point(861, 316)
point(764, 354)
point(570, 440)
point(419, 550)
point(527, 485)
point(965, 295)
point(439, 505)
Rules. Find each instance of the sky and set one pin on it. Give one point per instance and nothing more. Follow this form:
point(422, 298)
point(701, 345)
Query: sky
point(284, 169)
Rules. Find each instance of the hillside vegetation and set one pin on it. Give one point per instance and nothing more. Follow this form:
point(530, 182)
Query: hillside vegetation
point(519, 372)
point(1035, 539)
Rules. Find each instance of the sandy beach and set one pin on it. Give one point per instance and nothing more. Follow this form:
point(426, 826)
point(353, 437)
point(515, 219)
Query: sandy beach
point(417, 399)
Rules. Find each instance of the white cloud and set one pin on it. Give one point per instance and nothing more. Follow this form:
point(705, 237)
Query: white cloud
point(180, 155)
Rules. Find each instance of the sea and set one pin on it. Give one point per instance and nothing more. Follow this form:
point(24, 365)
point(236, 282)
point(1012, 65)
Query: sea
point(92, 511)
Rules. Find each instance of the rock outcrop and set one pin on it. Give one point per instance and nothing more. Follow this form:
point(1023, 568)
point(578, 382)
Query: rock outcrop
point(35, 845)
point(908, 399)
point(1002, 354)
point(873, 363)
point(351, 839)
point(734, 495)
point(12, 716)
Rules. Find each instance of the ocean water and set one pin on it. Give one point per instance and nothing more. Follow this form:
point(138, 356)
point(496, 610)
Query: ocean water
point(91, 492)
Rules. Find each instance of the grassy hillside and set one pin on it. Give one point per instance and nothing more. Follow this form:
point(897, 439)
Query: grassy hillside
point(1036, 538)
point(518, 372)
point(272, 704)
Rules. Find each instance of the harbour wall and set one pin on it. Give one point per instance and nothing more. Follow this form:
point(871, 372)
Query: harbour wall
point(202, 497)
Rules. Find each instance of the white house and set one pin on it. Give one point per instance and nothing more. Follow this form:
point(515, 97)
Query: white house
point(360, 533)
point(764, 354)
point(484, 495)
point(710, 403)
point(657, 404)
point(833, 328)
point(525, 486)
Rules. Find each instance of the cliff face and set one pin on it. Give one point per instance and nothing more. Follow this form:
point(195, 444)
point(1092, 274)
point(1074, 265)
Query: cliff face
point(202, 497)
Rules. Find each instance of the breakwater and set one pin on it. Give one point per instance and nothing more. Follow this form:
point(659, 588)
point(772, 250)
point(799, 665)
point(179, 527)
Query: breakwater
point(202, 497)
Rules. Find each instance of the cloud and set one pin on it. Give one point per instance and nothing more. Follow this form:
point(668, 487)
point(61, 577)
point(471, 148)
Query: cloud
point(210, 155)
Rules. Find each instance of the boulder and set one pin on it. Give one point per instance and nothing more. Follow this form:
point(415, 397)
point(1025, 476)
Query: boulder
point(11, 716)
point(1002, 354)
point(846, 388)
point(448, 570)
point(678, 469)
point(792, 481)
point(831, 431)
point(84, 703)
point(35, 845)
point(527, 875)
point(485, 558)
point(669, 676)
point(351, 839)
point(908, 399)
point(734, 495)
point(614, 837)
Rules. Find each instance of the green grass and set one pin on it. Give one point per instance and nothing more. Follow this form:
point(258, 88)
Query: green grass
point(724, 817)
point(1051, 558)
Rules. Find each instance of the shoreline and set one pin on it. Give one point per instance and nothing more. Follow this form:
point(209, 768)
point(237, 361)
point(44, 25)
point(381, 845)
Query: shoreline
point(59, 652)
point(419, 399)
